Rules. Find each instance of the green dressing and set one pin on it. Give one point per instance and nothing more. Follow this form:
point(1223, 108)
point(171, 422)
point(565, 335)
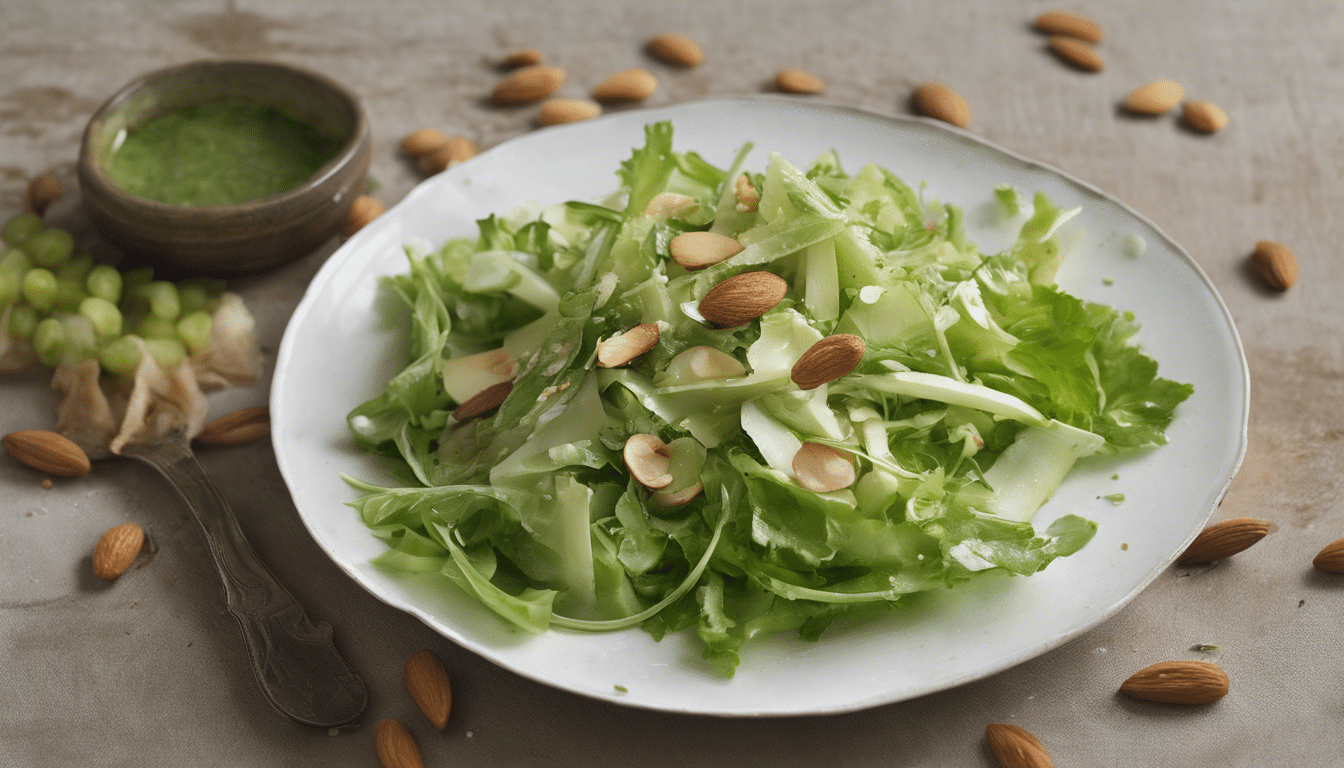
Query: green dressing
point(219, 153)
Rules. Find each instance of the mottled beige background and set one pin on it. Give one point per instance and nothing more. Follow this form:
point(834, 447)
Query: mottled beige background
point(150, 671)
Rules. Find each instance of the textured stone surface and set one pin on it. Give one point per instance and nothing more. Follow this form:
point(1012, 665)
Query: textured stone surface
point(150, 671)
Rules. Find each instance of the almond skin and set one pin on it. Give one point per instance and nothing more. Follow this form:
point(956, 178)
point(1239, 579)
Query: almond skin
point(395, 746)
point(1204, 116)
point(1275, 264)
point(829, 359)
point(42, 192)
point(1069, 24)
point(742, 298)
point(49, 452)
point(677, 49)
point(484, 401)
point(624, 347)
point(627, 85)
point(942, 103)
point(1178, 682)
point(1331, 559)
point(458, 149)
point(527, 57)
point(362, 213)
point(1014, 747)
point(116, 550)
point(1155, 98)
point(557, 111)
point(798, 81)
point(422, 141)
point(1223, 540)
point(528, 84)
point(237, 428)
point(427, 682)
point(1077, 53)
point(698, 250)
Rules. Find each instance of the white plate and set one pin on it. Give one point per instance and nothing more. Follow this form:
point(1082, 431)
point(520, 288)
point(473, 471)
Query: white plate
point(341, 348)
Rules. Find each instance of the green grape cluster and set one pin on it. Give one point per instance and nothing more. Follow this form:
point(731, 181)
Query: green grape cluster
point(71, 309)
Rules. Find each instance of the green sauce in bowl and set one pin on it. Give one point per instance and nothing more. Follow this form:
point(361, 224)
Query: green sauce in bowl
point(219, 153)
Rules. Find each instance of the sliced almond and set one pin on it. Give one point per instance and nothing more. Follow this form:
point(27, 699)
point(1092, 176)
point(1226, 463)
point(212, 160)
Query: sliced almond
point(116, 550)
point(43, 190)
point(49, 452)
point(527, 57)
point(465, 376)
point(427, 682)
point(665, 500)
point(677, 49)
point(1070, 24)
point(1077, 53)
point(798, 81)
point(829, 359)
point(703, 364)
point(483, 402)
point(822, 468)
point(648, 460)
point(742, 298)
point(1275, 264)
point(620, 349)
point(1331, 558)
point(942, 103)
point(670, 205)
point(1223, 540)
point(528, 84)
point(237, 428)
point(557, 111)
point(395, 746)
point(1155, 98)
point(697, 250)
point(362, 212)
point(748, 199)
point(422, 141)
point(459, 149)
point(627, 85)
point(1204, 116)
point(1178, 682)
point(1014, 747)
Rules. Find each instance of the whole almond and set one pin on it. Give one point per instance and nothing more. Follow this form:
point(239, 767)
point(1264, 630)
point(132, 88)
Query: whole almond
point(237, 428)
point(1069, 24)
point(942, 103)
point(43, 190)
point(49, 452)
point(427, 682)
point(798, 81)
point(1077, 53)
point(1275, 264)
point(1204, 116)
point(829, 359)
point(527, 57)
point(627, 85)
point(1223, 540)
point(1331, 559)
point(697, 250)
point(483, 402)
point(528, 84)
point(116, 550)
point(742, 298)
point(557, 111)
point(1014, 747)
point(395, 746)
point(677, 49)
point(422, 141)
point(1178, 682)
point(1155, 98)
point(459, 149)
point(620, 349)
point(362, 212)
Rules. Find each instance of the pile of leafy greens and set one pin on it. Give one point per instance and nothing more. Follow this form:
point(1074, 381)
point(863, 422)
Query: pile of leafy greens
point(980, 386)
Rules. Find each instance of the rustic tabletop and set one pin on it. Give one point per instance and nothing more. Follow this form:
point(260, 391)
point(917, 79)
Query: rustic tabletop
point(149, 670)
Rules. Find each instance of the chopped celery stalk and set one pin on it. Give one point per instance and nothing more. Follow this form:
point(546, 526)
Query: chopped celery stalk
point(104, 315)
point(121, 356)
point(39, 289)
point(11, 288)
point(931, 386)
point(22, 321)
point(163, 302)
point(22, 227)
point(15, 262)
point(50, 248)
point(194, 330)
point(69, 295)
point(153, 327)
point(168, 353)
point(49, 341)
point(104, 282)
point(1035, 464)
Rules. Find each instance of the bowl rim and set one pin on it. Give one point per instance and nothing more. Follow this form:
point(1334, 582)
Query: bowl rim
point(91, 172)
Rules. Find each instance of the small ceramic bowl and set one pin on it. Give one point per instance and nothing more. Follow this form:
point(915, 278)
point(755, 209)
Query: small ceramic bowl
point(227, 239)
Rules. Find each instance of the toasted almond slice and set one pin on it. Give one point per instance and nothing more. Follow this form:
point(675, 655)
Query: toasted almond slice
point(483, 402)
point(665, 500)
point(362, 213)
point(43, 190)
point(1070, 24)
point(1154, 98)
point(822, 468)
point(465, 376)
point(528, 84)
point(459, 149)
point(427, 682)
point(829, 359)
point(1077, 53)
point(627, 85)
point(237, 428)
point(422, 141)
point(742, 298)
point(798, 81)
point(670, 205)
point(704, 364)
point(748, 199)
point(116, 550)
point(677, 49)
point(620, 349)
point(648, 460)
point(942, 103)
point(697, 250)
point(558, 111)
point(527, 57)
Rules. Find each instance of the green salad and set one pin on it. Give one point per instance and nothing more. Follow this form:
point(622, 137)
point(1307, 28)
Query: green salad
point(742, 402)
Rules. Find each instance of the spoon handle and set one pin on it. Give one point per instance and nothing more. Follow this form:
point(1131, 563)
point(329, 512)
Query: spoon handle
point(296, 663)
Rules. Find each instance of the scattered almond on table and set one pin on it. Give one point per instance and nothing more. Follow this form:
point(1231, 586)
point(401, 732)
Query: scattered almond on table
point(942, 103)
point(43, 190)
point(458, 149)
point(1077, 53)
point(1069, 25)
point(1223, 540)
point(527, 57)
point(237, 428)
point(422, 141)
point(395, 746)
point(1154, 98)
point(557, 111)
point(528, 84)
point(627, 85)
point(364, 210)
point(677, 49)
point(427, 682)
point(1275, 264)
point(49, 452)
point(1014, 747)
point(116, 550)
point(798, 81)
point(1204, 116)
point(1178, 682)
point(1331, 558)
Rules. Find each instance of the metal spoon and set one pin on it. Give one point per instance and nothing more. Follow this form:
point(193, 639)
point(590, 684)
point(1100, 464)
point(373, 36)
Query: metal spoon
point(296, 663)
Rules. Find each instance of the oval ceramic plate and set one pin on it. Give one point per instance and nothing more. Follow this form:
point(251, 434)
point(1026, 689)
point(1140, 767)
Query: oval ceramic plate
point(343, 344)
